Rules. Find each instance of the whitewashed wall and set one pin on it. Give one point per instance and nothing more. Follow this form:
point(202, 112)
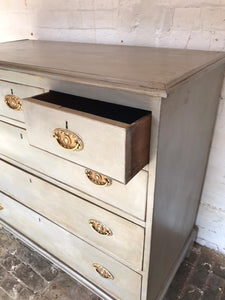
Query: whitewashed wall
point(194, 24)
point(14, 22)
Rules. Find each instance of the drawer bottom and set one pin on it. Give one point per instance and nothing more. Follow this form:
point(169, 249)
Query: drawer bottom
point(111, 276)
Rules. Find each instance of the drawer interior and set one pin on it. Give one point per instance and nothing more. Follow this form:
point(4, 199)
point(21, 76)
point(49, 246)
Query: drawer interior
point(103, 109)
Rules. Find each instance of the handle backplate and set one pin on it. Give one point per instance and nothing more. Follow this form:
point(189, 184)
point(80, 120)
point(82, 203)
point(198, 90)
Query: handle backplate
point(103, 272)
point(13, 102)
point(100, 228)
point(67, 139)
point(97, 178)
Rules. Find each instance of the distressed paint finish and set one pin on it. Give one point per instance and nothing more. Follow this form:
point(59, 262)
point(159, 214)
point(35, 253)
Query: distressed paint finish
point(76, 253)
point(170, 200)
point(130, 198)
point(187, 122)
point(73, 213)
point(18, 90)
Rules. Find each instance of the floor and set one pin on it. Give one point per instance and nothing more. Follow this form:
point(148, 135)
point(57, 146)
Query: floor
point(25, 275)
point(200, 277)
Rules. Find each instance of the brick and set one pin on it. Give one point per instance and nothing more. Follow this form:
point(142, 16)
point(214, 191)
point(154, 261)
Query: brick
point(211, 225)
point(122, 37)
point(50, 18)
point(200, 275)
point(128, 4)
point(87, 19)
point(186, 18)
point(9, 242)
point(167, 20)
point(219, 265)
point(213, 18)
point(199, 40)
point(217, 42)
point(106, 4)
point(56, 4)
point(191, 293)
point(13, 5)
point(10, 262)
point(15, 289)
point(214, 288)
point(81, 4)
point(40, 264)
point(13, 25)
point(4, 296)
point(190, 3)
point(174, 38)
point(78, 35)
point(66, 288)
point(206, 258)
point(105, 19)
point(11, 286)
point(3, 252)
point(30, 278)
point(3, 273)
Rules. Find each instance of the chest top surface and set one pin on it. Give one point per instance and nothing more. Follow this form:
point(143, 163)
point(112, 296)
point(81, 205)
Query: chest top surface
point(127, 67)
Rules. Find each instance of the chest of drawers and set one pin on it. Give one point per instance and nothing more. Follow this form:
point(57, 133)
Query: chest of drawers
point(103, 151)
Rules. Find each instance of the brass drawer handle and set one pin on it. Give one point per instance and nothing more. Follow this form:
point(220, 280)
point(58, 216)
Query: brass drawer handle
point(1, 207)
point(100, 228)
point(103, 272)
point(97, 178)
point(13, 102)
point(67, 139)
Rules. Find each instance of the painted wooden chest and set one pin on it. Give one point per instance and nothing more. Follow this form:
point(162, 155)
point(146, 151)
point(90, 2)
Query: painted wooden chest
point(103, 152)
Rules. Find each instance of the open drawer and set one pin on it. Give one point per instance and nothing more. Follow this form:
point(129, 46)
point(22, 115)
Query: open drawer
point(108, 138)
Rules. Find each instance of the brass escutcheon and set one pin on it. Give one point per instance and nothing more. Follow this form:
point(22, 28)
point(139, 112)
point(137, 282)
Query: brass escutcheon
point(1, 207)
point(100, 228)
point(103, 272)
point(13, 102)
point(67, 139)
point(97, 178)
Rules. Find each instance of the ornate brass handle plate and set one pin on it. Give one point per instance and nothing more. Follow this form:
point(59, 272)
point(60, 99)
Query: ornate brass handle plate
point(67, 139)
point(1, 207)
point(13, 102)
point(97, 178)
point(103, 272)
point(100, 228)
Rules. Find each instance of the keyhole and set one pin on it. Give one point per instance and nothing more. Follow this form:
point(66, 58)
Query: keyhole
point(66, 125)
point(12, 91)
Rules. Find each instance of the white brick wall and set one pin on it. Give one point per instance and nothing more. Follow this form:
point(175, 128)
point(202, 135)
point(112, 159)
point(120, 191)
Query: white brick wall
point(193, 24)
point(13, 20)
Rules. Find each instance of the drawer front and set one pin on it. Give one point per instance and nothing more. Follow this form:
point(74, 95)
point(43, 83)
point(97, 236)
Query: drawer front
point(116, 149)
point(130, 198)
point(92, 223)
point(10, 99)
point(77, 254)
